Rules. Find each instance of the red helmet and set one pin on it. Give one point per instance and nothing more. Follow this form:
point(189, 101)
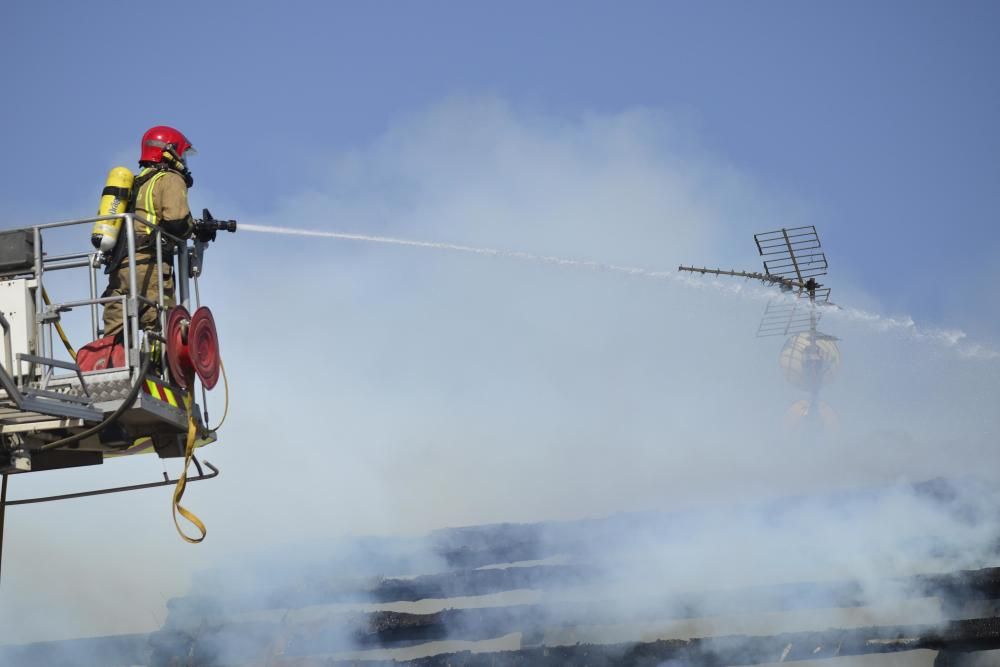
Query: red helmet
point(160, 137)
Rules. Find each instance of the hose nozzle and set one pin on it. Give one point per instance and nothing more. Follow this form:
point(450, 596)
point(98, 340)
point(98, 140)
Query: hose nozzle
point(205, 229)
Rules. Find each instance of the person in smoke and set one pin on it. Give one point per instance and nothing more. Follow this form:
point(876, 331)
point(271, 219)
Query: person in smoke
point(159, 196)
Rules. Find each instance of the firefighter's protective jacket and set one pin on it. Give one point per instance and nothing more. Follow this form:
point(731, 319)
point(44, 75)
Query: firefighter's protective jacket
point(162, 200)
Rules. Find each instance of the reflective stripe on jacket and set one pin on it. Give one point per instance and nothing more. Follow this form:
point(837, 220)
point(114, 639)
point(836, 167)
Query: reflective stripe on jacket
point(162, 200)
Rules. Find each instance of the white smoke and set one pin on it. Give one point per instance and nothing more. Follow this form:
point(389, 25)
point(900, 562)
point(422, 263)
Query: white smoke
point(378, 390)
point(950, 338)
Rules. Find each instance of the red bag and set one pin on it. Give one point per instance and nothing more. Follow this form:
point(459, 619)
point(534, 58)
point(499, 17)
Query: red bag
point(107, 352)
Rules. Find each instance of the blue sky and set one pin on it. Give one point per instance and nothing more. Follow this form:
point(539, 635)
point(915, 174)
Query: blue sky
point(643, 133)
point(878, 116)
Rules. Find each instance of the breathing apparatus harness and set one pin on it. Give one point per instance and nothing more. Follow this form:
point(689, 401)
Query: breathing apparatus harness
point(150, 171)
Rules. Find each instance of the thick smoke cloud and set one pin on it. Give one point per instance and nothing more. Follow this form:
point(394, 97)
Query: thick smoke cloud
point(392, 390)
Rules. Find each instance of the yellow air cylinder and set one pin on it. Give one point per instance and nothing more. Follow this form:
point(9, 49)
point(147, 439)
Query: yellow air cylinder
point(114, 200)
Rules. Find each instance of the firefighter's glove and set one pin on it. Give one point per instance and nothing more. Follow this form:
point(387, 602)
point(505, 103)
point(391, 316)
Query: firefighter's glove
point(204, 233)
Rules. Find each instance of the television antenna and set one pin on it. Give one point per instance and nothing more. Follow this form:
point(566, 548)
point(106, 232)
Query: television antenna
point(793, 260)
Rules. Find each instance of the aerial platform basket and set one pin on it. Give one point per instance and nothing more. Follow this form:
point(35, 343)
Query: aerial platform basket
point(53, 413)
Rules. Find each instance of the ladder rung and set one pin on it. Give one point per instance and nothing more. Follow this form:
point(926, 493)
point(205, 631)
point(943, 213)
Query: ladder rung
point(59, 396)
point(45, 361)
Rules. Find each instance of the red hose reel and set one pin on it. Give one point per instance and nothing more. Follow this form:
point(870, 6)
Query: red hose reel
point(192, 347)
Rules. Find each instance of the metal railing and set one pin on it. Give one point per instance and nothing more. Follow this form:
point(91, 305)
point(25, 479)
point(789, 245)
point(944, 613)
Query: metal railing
point(135, 340)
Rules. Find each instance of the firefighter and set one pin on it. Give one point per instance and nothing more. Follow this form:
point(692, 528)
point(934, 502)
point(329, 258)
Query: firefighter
point(159, 196)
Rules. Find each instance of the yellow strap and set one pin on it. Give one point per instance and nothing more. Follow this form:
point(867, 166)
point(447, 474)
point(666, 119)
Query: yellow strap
point(150, 210)
point(225, 383)
point(182, 482)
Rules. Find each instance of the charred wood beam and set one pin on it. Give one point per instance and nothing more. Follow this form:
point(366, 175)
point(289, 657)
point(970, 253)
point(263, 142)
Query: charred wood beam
point(983, 584)
point(387, 628)
point(955, 637)
point(465, 556)
point(423, 587)
point(207, 644)
point(476, 546)
point(479, 582)
point(338, 631)
point(606, 539)
point(954, 589)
